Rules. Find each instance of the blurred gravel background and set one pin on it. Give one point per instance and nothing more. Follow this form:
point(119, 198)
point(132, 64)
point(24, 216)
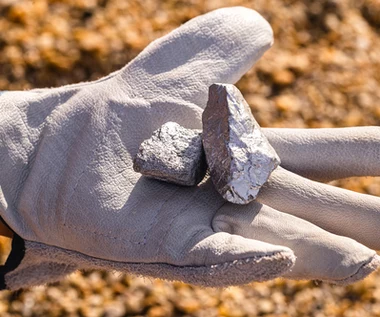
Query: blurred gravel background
point(323, 71)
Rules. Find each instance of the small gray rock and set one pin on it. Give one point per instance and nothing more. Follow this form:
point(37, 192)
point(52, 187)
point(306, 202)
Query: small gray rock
point(239, 156)
point(173, 154)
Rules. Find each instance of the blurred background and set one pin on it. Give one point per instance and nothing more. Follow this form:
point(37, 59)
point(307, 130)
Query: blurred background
point(323, 71)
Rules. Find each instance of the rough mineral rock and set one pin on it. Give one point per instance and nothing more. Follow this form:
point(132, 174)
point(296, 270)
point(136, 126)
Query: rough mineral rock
point(239, 156)
point(173, 154)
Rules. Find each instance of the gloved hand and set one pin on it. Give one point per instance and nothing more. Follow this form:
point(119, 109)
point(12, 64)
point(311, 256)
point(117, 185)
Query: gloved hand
point(311, 218)
point(67, 184)
point(69, 192)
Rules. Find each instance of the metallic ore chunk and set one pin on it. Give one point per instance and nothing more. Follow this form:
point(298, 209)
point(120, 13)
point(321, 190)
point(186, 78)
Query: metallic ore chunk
point(173, 154)
point(239, 156)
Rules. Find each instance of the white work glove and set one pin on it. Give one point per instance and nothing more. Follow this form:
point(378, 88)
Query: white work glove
point(70, 194)
point(67, 183)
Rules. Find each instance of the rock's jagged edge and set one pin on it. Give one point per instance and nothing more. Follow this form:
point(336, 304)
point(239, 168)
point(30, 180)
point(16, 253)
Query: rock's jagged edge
point(238, 154)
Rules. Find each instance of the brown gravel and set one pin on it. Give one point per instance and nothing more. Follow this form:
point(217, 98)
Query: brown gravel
point(323, 71)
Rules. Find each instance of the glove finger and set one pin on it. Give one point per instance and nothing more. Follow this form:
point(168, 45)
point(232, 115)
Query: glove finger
point(219, 46)
point(337, 210)
point(195, 254)
point(320, 255)
point(233, 260)
point(229, 260)
point(328, 154)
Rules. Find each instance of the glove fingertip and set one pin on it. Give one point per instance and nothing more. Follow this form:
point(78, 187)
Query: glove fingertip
point(366, 269)
point(253, 269)
point(238, 272)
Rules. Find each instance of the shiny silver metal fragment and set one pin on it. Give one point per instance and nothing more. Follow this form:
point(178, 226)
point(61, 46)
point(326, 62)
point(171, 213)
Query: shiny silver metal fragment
point(173, 154)
point(239, 156)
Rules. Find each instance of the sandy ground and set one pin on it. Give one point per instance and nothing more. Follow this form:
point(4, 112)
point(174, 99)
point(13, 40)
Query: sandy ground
point(323, 71)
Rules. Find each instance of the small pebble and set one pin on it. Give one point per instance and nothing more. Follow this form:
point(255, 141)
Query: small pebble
point(173, 154)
